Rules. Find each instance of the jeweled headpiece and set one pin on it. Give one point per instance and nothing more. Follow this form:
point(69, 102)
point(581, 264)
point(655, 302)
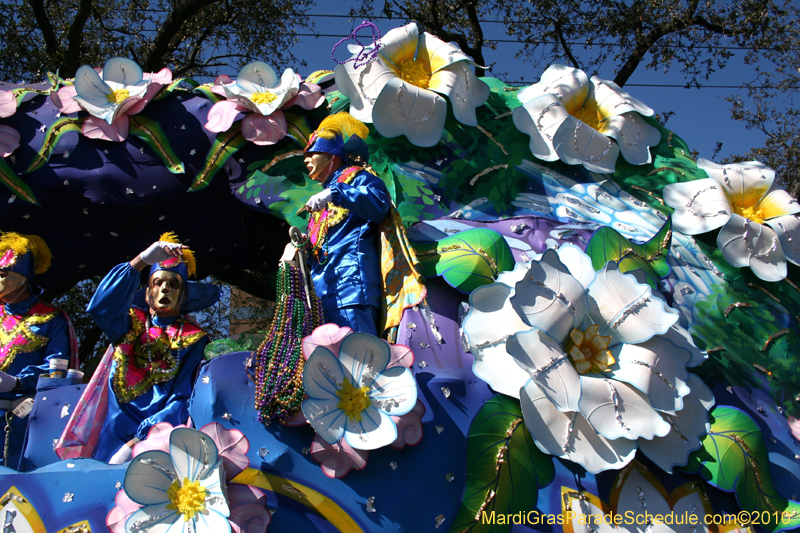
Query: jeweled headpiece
point(341, 135)
point(184, 266)
point(24, 254)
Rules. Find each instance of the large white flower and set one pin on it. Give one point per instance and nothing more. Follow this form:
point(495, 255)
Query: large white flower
point(759, 227)
point(400, 91)
point(120, 88)
point(356, 395)
point(181, 491)
point(573, 118)
point(596, 359)
point(258, 88)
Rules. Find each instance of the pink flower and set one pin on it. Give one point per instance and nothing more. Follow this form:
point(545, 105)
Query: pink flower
point(110, 96)
point(9, 140)
point(409, 427)
point(125, 507)
point(336, 460)
point(257, 97)
point(8, 104)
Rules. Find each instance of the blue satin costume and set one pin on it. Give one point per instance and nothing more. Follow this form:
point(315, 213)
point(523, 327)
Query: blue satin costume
point(28, 367)
point(348, 280)
point(164, 402)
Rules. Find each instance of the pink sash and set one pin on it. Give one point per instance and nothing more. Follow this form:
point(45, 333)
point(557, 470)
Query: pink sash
point(86, 422)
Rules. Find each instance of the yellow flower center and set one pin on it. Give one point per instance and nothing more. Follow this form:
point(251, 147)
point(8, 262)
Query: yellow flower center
point(188, 499)
point(353, 400)
point(118, 96)
point(590, 114)
point(754, 213)
point(588, 350)
point(415, 72)
point(263, 98)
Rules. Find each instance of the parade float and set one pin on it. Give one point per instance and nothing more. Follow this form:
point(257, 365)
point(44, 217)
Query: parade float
point(609, 338)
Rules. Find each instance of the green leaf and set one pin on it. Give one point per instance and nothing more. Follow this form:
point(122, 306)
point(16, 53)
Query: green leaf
point(225, 145)
point(51, 139)
point(467, 260)
point(607, 244)
point(10, 179)
point(150, 132)
point(505, 469)
point(733, 458)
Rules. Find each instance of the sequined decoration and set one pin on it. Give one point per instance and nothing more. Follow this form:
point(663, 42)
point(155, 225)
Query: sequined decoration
point(279, 360)
point(371, 504)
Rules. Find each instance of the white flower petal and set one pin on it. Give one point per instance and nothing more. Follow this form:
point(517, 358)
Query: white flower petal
point(400, 44)
point(570, 436)
point(745, 182)
point(737, 240)
point(487, 326)
point(627, 309)
point(586, 515)
point(123, 71)
point(463, 88)
point(146, 481)
point(549, 298)
point(616, 410)
point(778, 203)
point(212, 521)
point(540, 119)
point(682, 339)
point(570, 85)
point(326, 418)
point(256, 77)
point(193, 453)
point(579, 144)
point(544, 359)
point(615, 101)
point(688, 426)
point(657, 368)
point(404, 109)
point(700, 205)
point(768, 261)
point(213, 483)
point(170, 522)
point(578, 263)
point(634, 137)
point(442, 54)
point(323, 375)
point(787, 229)
point(362, 86)
point(285, 91)
point(90, 88)
point(363, 357)
point(375, 430)
point(394, 390)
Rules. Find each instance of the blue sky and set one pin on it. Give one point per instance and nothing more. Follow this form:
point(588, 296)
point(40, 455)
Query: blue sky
point(702, 116)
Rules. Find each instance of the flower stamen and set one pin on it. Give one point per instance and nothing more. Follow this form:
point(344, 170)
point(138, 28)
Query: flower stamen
point(353, 400)
point(187, 499)
point(263, 98)
point(587, 350)
point(118, 96)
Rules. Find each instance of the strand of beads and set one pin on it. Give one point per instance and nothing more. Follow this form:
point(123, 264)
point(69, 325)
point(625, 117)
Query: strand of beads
point(279, 359)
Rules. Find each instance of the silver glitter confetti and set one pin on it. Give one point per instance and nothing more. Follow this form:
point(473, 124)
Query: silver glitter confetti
point(67, 497)
point(128, 190)
point(87, 234)
point(183, 126)
point(729, 389)
point(105, 152)
point(162, 217)
point(411, 325)
point(42, 128)
point(211, 249)
point(306, 450)
point(12, 198)
point(263, 452)
point(26, 217)
point(70, 465)
point(258, 200)
point(440, 520)
point(192, 151)
point(446, 392)
point(371, 504)
point(66, 154)
point(393, 465)
point(424, 345)
point(227, 416)
point(114, 233)
point(141, 150)
point(450, 477)
point(66, 182)
point(206, 379)
point(241, 161)
point(439, 429)
point(118, 485)
point(85, 211)
point(65, 411)
point(422, 364)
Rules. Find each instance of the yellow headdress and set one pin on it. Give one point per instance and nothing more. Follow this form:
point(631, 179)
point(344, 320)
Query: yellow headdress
point(14, 250)
point(188, 255)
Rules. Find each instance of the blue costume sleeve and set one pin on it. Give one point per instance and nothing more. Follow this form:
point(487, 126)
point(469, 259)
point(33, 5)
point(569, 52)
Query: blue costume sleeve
point(366, 197)
point(176, 410)
point(111, 303)
point(57, 334)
